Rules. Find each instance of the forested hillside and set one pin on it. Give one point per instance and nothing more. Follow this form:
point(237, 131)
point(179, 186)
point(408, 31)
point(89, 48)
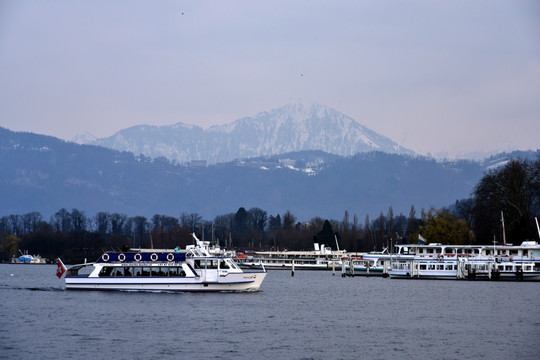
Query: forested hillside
point(45, 174)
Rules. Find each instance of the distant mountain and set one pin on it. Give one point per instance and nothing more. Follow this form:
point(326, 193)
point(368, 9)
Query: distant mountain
point(296, 127)
point(84, 138)
point(45, 174)
point(498, 160)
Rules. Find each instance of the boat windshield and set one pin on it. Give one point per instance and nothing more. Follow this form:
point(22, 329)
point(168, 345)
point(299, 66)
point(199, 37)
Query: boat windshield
point(79, 270)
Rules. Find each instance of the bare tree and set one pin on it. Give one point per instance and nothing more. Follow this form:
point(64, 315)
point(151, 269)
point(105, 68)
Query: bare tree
point(191, 221)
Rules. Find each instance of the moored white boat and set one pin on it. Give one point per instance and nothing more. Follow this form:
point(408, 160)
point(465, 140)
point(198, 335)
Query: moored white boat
point(375, 263)
point(321, 258)
point(494, 262)
point(191, 270)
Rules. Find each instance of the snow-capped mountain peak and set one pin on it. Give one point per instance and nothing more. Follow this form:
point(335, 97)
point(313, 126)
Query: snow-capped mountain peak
point(294, 127)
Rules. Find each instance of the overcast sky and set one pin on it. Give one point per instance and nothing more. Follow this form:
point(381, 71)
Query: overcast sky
point(439, 77)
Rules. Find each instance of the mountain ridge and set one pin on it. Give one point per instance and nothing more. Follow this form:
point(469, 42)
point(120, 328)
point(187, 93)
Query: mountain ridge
point(45, 174)
point(293, 127)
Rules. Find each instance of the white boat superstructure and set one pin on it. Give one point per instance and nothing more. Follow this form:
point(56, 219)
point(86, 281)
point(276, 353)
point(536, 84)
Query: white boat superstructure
point(321, 258)
point(494, 262)
point(191, 270)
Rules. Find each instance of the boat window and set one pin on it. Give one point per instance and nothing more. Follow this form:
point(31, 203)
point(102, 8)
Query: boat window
point(422, 266)
point(74, 270)
point(154, 271)
point(209, 264)
point(106, 271)
point(176, 271)
point(223, 265)
point(128, 271)
point(85, 270)
point(146, 271)
point(137, 271)
point(117, 271)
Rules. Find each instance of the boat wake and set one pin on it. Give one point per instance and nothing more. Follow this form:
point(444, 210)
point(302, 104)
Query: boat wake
point(44, 288)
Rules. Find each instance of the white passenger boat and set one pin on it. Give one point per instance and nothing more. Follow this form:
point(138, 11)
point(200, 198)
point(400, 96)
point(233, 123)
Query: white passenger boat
point(190, 270)
point(494, 262)
point(507, 262)
point(321, 258)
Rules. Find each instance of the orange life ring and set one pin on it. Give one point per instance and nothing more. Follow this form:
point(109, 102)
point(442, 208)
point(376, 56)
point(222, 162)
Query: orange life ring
point(122, 257)
point(154, 257)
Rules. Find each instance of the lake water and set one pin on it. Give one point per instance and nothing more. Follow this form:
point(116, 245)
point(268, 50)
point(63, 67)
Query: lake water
point(312, 315)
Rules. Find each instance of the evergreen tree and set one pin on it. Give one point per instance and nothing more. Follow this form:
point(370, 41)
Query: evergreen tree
point(326, 236)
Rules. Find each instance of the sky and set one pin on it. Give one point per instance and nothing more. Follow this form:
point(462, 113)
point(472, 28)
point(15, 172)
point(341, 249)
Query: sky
point(445, 78)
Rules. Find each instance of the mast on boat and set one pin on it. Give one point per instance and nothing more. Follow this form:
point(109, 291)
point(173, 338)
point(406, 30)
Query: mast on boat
point(337, 245)
point(537, 227)
point(504, 234)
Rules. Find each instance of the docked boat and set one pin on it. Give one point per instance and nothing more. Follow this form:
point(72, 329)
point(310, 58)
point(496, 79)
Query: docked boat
point(191, 270)
point(493, 262)
point(321, 258)
point(374, 263)
point(26, 258)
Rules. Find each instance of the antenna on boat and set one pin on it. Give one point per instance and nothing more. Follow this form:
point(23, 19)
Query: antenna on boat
point(504, 235)
point(337, 245)
point(151, 241)
point(537, 227)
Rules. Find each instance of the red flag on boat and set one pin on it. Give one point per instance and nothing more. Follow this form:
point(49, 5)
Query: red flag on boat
point(61, 269)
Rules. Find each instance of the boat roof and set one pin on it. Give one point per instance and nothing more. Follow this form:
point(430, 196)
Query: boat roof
point(300, 252)
point(140, 250)
point(525, 244)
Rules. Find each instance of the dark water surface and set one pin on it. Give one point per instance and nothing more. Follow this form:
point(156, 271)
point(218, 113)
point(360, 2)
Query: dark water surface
point(313, 315)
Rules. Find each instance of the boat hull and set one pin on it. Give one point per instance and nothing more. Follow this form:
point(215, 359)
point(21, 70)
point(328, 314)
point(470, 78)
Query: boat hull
point(249, 281)
point(424, 275)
